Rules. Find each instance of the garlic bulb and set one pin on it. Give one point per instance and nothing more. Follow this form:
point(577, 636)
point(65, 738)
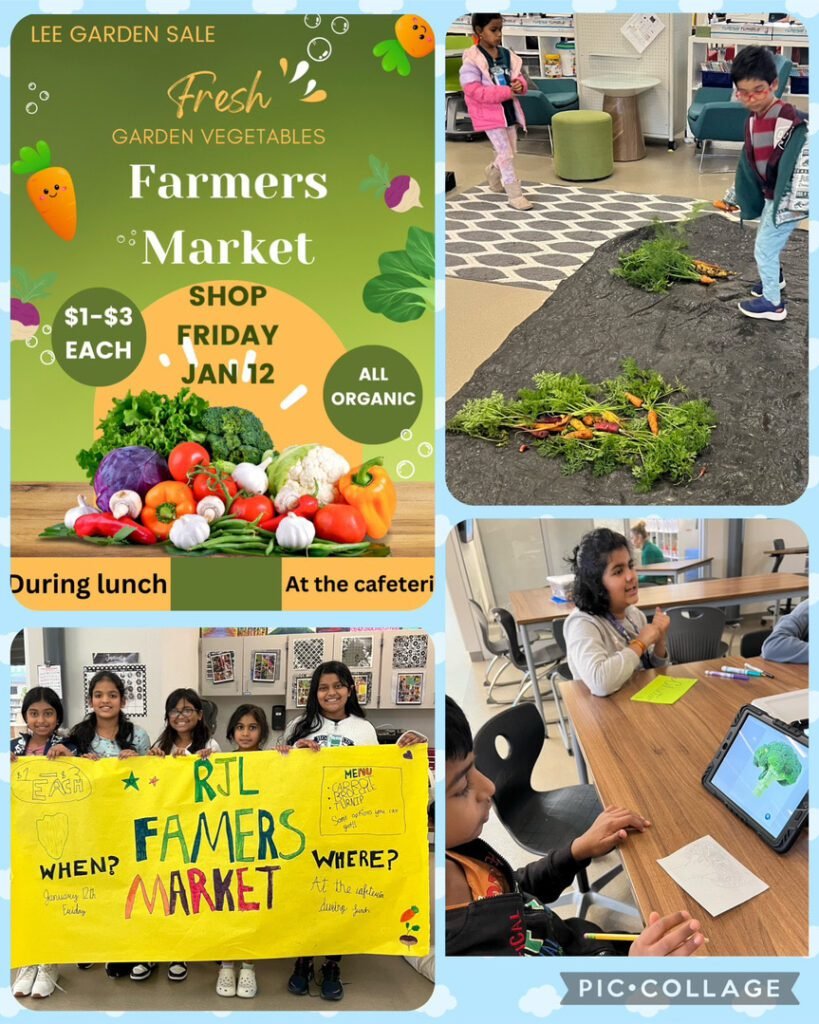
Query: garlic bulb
point(189, 531)
point(252, 479)
point(80, 509)
point(295, 532)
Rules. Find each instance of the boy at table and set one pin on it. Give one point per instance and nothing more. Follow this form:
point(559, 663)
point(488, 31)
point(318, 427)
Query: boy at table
point(788, 642)
point(492, 910)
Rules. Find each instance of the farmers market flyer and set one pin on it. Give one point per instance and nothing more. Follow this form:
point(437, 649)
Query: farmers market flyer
point(222, 312)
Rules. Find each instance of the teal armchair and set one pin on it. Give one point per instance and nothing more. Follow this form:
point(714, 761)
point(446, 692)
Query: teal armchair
point(548, 97)
point(715, 117)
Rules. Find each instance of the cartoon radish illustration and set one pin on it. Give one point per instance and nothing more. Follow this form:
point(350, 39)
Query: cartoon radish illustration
point(25, 317)
point(413, 37)
point(51, 189)
point(400, 193)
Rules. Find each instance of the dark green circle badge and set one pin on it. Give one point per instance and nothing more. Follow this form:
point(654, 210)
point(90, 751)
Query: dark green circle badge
point(372, 393)
point(98, 336)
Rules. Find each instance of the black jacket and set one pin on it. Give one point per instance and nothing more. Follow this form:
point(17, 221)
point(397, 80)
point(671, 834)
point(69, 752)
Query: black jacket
point(517, 923)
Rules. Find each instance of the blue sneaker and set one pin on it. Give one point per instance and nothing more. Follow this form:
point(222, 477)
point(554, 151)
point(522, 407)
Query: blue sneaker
point(299, 983)
point(761, 309)
point(756, 291)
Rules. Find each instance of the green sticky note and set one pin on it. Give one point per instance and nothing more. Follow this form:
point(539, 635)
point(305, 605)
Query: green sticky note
point(664, 690)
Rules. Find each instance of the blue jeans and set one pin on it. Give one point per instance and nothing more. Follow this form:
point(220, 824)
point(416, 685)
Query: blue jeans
point(770, 241)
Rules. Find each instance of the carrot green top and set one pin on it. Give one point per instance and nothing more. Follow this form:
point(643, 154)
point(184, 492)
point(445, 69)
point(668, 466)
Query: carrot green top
point(32, 160)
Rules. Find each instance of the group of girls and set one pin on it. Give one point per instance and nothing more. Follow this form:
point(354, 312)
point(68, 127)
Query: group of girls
point(332, 717)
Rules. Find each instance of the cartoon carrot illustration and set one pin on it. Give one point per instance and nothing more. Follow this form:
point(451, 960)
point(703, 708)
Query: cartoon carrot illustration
point(413, 36)
point(406, 918)
point(51, 189)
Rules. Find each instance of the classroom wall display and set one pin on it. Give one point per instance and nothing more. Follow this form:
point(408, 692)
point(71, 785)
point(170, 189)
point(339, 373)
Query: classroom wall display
point(265, 666)
point(229, 854)
point(220, 667)
point(300, 689)
point(409, 688)
point(363, 687)
point(135, 680)
point(222, 261)
point(115, 658)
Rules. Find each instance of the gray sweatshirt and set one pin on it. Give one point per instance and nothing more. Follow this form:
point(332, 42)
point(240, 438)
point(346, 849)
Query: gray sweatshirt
point(597, 653)
point(789, 640)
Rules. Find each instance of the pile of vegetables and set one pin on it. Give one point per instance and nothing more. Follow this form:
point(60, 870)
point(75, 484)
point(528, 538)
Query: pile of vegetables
point(158, 422)
point(655, 264)
point(305, 500)
point(629, 421)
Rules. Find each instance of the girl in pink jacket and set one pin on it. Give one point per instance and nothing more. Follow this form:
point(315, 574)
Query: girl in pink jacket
point(492, 78)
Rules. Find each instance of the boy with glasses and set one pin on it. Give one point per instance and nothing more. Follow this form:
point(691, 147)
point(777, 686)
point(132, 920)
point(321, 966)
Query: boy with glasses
point(775, 134)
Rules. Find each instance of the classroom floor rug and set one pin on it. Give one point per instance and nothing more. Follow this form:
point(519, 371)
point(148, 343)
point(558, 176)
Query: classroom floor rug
point(486, 240)
point(754, 372)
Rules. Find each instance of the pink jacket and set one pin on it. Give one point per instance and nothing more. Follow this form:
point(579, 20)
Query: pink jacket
point(483, 97)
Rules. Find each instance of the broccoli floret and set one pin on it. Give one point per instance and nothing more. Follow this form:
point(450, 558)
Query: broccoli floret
point(779, 763)
point(235, 435)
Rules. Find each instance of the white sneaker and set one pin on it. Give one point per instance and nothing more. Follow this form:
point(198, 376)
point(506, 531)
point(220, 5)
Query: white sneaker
point(24, 982)
point(46, 981)
point(226, 982)
point(246, 987)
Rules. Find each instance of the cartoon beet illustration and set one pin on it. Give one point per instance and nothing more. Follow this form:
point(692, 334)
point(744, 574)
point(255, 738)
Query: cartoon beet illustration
point(413, 37)
point(406, 918)
point(25, 317)
point(50, 188)
point(400, 194)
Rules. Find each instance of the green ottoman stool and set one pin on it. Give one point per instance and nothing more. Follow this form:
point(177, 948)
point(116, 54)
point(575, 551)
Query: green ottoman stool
point(583, 147)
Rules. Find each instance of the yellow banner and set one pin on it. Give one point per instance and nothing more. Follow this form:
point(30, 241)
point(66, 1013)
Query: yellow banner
point(242, 856)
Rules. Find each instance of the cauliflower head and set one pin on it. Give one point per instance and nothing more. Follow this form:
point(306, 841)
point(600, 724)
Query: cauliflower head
point(306, 469)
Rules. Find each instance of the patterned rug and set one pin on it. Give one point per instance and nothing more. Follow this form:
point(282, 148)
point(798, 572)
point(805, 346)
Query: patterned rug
point(486, 240)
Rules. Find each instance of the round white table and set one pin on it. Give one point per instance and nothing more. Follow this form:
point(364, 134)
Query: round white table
point(620, 94)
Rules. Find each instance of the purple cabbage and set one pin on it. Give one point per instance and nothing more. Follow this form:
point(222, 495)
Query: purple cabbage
point(134, 468)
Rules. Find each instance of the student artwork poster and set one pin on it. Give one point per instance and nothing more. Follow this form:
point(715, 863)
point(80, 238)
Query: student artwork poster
point(223, 275)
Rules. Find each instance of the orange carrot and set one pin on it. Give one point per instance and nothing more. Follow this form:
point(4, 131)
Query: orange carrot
point(580, 435)
point(653, 422)
point(51, 189)
point(635, 401)
point(588, 420)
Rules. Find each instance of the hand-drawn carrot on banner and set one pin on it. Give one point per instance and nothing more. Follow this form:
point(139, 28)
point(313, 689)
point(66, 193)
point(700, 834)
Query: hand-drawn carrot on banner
point(51, 189)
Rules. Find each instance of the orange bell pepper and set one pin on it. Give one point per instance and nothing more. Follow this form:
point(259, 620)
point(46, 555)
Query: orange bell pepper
point(369, 489)
point(166, 503)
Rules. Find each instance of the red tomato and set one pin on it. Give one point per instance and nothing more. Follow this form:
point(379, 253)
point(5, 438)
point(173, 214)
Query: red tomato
point(184, 457)
point(341, 523)
point(251, 508)
point(207, 484)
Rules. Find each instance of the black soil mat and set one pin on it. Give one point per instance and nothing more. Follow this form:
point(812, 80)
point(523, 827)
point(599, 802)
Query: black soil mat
point(754, 372)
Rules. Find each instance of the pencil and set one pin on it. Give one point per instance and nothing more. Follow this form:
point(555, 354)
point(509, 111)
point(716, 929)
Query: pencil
point(614, 937)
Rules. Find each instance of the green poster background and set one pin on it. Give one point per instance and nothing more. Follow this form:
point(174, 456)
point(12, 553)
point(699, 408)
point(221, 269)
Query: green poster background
point(94, 89)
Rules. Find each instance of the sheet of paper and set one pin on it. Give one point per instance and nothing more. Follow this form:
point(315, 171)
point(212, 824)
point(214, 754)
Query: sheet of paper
point(715, 879)
point(641, 30)
point(664, 690)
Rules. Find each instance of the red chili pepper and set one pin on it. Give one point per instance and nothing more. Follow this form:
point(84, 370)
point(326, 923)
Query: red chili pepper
point(103, 524)
point(306, 507)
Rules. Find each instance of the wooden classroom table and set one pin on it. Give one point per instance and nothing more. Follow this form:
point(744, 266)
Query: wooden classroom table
point(651, 757)
point(536, 607)
point(677, 569)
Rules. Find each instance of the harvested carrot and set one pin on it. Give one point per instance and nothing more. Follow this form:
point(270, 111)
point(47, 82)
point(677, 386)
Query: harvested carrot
point(653, 422)
point(578, 424)
point(720, 204)
point(607, 428)
point(635, 401)
point(588, 420)
point(704, 279)
point(523, 448)
point(711, 269)
point(51, 189)
point(580, 435)
point(611, 417)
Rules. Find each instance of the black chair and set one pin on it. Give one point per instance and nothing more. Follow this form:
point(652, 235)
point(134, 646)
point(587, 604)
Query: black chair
point(498, 648)
point(540, 821)
point(545, 656)
point(695, 634)
point(778, 545)
point(750, 646)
